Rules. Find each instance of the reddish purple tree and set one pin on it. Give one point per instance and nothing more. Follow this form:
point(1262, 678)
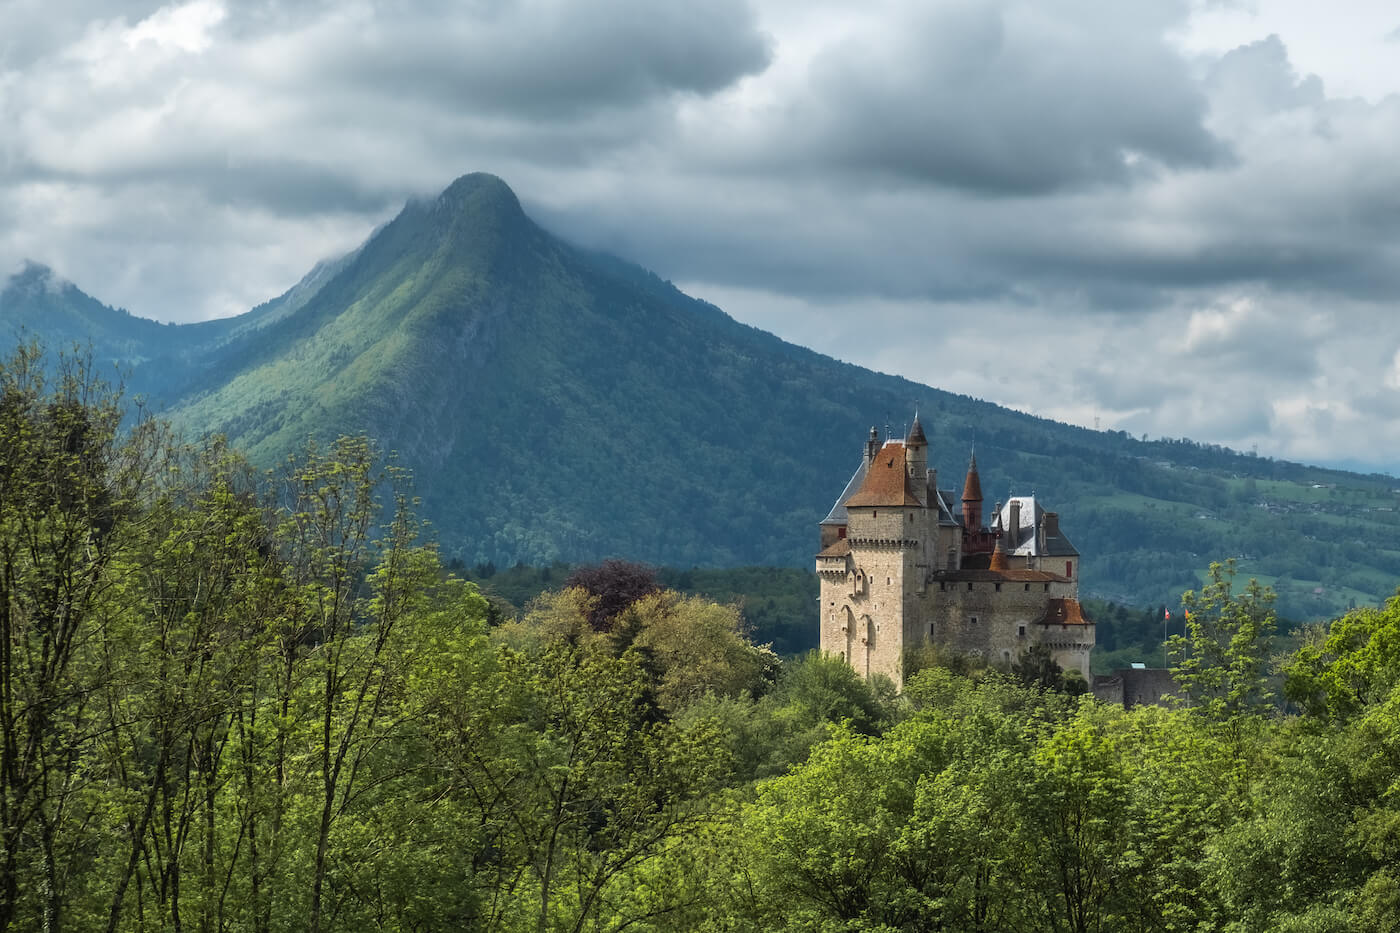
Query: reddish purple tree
point(615, 585)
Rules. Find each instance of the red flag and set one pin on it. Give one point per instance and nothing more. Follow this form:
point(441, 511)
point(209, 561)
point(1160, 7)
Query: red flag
point(1169, 614)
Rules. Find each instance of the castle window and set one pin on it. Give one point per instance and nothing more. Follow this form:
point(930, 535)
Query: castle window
point(930, 630)
point(998, 587)
point(1028, 587)
point(841, 532)
point(972, 620)
point(887, 581)
point(969, 585)
point(1020, 631)
point(1069, 569)
point(911, 516)
point(874, 513)
point(1047, 587)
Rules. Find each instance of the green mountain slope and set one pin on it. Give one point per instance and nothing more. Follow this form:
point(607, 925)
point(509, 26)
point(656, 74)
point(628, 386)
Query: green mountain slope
point(35, 303)
point(557, 404)
point(159, 362)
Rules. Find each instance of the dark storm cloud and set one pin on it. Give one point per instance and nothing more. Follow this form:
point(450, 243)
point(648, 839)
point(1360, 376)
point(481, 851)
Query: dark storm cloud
point(244, 93)
point(229, 118)
point(1307, 202)
point(549, 58)
point(1005, 97)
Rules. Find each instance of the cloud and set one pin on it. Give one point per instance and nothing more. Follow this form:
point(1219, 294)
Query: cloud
point(207, 119)
point(535, 58)
point(997, 97)
point(1161, 225)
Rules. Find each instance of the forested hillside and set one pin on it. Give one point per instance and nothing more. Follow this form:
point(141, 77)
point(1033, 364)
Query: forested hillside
point(248, 702)
point(555, 404)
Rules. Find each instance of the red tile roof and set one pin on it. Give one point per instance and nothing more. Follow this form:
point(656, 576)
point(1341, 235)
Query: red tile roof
point(886, 482)
point(1064, 611)
point(972, 489)
point(838, 548)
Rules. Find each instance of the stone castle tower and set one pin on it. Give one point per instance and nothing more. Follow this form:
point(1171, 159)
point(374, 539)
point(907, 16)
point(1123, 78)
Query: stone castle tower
point(900, 566)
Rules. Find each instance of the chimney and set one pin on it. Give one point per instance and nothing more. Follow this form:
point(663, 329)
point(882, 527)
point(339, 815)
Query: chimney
point(1013, 523)
point(872, 446)
point(1052, 524)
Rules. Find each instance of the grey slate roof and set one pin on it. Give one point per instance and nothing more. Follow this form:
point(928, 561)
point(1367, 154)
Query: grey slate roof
point(837, 515)
point(946, 515)
point(1027, 539)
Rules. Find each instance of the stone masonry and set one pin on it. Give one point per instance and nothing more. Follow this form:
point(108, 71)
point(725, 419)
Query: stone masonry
point(902, 563)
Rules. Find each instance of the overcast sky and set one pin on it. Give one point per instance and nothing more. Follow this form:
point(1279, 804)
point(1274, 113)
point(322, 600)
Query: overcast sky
point(1171, 218)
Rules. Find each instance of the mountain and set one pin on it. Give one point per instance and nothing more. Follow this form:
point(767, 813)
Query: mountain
point(37, 303)
point(554, 403)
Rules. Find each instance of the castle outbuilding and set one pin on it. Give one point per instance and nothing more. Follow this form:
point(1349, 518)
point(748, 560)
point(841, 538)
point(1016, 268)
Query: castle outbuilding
point(903, 563)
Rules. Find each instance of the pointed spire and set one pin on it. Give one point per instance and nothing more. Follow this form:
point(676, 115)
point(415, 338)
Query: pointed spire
point(972, 488)
point(972, 498)
point(999, 561)
point(916, 433)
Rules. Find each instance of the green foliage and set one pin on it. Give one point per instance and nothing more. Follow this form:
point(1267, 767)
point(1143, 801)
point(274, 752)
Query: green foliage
point(1351, 666)
point(1221, 664)
point(775, 602)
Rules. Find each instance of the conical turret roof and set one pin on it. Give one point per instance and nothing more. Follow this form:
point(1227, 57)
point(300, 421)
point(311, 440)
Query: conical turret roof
point(916, 433)
point(999, 561)
point(972, 488)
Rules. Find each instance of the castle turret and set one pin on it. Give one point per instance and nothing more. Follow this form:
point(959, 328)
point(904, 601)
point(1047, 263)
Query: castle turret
point(972, 498)
point(916, 458)
point(872, 446)
point(999, 562)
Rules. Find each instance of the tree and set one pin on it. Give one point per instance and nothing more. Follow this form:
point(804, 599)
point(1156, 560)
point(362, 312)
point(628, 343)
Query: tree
point(71, 488)
point(614, 585)
point(1221, 663)
point(1353, 665)
point(696, 646)
point(1036, 667)
point(355, 585)
point(177, 660)
point(578, 782)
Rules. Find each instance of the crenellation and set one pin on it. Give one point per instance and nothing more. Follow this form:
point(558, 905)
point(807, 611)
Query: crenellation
point(1002, 585)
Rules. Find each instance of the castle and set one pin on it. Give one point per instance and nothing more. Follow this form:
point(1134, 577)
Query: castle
point(899, 566)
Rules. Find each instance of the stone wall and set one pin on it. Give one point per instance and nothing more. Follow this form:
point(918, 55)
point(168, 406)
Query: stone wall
point(864, 622)
point(1136, 686)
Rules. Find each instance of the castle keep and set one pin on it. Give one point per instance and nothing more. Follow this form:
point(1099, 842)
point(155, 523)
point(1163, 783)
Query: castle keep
point(903, 562)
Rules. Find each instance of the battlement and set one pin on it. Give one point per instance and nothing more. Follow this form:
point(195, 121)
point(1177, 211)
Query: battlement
point(898, 567)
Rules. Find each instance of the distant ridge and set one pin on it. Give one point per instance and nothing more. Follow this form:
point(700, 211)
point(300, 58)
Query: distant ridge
point(554, 403)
